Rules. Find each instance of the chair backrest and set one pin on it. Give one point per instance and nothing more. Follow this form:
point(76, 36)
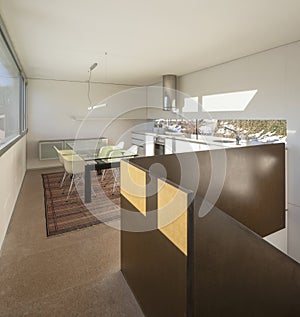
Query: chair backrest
point(61, 160)
point(120, 145)
point(73, 164)
point(105, 150)
point(115, 155)
point(61, 153)
point(133, 150)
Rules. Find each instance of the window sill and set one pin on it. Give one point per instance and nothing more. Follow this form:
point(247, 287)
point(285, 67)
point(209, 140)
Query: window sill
point(12, 142)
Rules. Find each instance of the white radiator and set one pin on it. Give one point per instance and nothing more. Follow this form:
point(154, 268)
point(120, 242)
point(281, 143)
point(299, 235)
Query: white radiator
point(46, 150)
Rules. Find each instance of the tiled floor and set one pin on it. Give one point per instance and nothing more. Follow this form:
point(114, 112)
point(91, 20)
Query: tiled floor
point(74, 274)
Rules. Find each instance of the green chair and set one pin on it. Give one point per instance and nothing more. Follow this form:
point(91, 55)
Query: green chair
point(74, 165)
point(61, 154)
point(105, 150)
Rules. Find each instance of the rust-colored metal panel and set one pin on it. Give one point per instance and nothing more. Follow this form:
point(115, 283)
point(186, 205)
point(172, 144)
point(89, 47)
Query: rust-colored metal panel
point(254, 188)
point(229, 270)
point(237, 273)
point(155, 269)
point(253, 191)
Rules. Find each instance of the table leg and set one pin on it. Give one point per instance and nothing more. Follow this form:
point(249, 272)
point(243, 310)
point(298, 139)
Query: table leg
point(87, 183)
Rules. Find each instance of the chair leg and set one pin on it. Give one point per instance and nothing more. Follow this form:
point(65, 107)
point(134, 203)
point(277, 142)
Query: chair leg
point(71, 185)
point(115, 172)
point(63, 179)
point(103, 175)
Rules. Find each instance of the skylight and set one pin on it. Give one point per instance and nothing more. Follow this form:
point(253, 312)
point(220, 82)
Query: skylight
point(233, 101)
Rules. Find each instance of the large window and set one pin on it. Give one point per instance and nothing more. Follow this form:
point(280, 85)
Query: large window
point(12, 97)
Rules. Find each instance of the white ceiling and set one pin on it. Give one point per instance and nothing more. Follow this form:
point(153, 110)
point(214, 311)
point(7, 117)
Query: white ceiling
point(60, 39)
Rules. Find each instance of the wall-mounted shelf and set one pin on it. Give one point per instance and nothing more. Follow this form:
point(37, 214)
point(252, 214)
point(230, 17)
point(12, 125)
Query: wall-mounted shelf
point(88, 119)
point(105, 118)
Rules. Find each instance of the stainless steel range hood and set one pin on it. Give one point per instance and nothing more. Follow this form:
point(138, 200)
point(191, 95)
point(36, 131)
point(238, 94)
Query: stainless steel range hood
point(169, 92)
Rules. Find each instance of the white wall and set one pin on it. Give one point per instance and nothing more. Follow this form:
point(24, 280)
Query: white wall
point(276, 75)
point(56, 110)
point(12, 171)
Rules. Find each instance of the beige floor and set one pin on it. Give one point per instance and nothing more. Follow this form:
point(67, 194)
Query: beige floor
point(74, 274)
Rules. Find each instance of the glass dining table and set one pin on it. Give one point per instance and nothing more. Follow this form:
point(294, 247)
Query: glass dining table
point(95, 162)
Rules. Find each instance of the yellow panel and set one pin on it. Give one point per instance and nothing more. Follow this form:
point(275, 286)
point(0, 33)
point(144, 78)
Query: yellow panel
point(172, 214)
point(133, 185)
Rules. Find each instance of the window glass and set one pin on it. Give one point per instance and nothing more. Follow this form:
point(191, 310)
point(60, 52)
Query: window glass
point(11, 96)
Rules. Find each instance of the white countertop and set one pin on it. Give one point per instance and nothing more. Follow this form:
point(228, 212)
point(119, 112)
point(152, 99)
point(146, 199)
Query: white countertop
point(217, 142)
point(209, 140)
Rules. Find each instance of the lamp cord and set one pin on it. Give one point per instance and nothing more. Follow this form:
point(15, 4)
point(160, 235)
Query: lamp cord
point(89, 88)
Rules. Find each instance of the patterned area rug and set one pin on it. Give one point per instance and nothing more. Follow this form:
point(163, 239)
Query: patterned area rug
point(64, 216)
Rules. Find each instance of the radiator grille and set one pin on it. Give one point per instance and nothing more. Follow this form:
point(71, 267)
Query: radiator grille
point(46, 150)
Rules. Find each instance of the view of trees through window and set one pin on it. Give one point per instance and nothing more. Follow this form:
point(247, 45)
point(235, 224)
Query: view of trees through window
point(261, 130)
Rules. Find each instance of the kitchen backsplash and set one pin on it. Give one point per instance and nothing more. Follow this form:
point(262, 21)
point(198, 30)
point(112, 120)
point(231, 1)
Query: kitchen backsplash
point(262, 130)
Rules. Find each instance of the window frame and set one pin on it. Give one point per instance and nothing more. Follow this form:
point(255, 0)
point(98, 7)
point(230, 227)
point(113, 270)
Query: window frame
point(22, 92)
